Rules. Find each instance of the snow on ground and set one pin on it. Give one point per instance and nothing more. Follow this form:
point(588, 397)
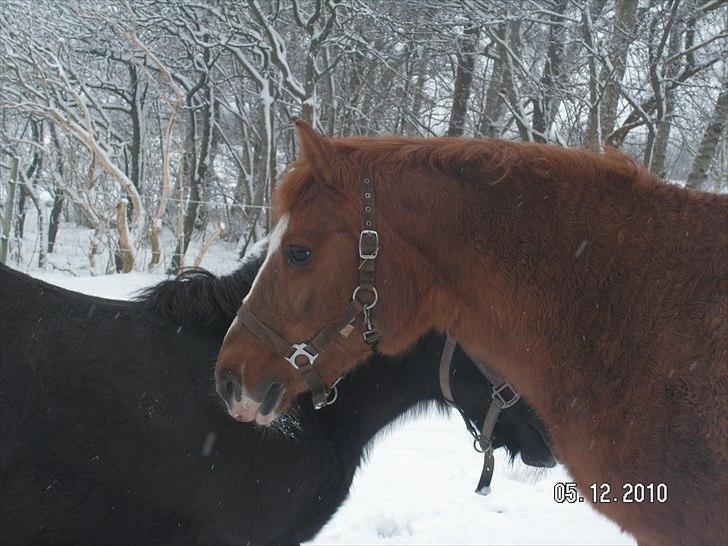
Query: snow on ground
point(71, 255)
point(107, 286)
point(417, 487)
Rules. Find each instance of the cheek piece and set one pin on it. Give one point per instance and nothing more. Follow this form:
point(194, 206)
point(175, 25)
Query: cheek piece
point(302, 356)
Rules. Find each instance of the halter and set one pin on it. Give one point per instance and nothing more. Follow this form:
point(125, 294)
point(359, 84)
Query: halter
point(504, 396)
point(301, 356)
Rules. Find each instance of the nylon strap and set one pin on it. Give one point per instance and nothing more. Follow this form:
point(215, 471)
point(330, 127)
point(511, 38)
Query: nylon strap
point(262, 332)
point(315, 383)
point(368, 251)
point(497, 404)
point(368, 238)
point(484, 437)
point(445, 366)
point(327, 335)
point(319, 392)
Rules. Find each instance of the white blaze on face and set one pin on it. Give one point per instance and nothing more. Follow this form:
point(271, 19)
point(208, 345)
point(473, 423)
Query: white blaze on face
point(274, 244)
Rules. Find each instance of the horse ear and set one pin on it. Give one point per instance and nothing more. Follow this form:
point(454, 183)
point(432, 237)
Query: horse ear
point(317, 150)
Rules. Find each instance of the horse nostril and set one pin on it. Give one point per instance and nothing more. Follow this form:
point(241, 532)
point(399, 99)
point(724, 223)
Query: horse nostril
point(272, 398)
point(228, 387)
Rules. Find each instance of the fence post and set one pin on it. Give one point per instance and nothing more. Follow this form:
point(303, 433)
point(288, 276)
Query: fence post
point(8, 213)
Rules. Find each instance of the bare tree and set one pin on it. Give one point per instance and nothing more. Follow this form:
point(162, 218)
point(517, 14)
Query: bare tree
point(463, 79)
point(711, 138)
point(178, 113)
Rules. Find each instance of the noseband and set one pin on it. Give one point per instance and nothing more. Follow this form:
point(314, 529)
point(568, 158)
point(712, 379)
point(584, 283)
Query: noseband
point(303, 355)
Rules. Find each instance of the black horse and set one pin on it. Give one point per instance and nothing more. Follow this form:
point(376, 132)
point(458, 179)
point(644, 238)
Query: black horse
point(112, 433)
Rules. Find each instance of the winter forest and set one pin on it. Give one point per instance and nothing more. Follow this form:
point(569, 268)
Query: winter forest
point(159, 128)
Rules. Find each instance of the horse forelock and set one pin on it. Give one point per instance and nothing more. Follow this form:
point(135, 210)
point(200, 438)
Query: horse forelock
point(296, 180)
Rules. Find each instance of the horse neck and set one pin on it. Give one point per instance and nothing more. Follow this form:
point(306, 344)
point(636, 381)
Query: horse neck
point(518, 270)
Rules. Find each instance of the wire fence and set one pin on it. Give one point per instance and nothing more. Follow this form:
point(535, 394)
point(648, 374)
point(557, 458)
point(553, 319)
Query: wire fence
point(228, 205)
point(242, 206)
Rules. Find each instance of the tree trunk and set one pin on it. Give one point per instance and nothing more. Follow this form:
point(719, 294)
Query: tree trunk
point(137, 115)
point(626, 18)
point(491, 121)
point(331, 104)
point(94, 249)
point(272, 174)
point(710, 140)
point(8, 211)
point(662, 137)
point(244, 243)
point(30, 173)
point(350, 115)
point(54, 220)
point(410, 127)
point(30, 192)
point(188, 171)
point(510, 53)
point(206, 165)
point(664, 119)
point(155, 223)
point(546, 105)
point(603, 109)
point(593, 137)
point(125, 253)
point(405, 92)
point(265, 166)
point(214, 236)
point(463, 80)
point(308, 103)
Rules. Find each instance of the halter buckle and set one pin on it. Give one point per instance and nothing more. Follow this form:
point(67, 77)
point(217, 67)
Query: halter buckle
point(510, 398)
point(301, 349)
point(372, 237)
point(372, 336)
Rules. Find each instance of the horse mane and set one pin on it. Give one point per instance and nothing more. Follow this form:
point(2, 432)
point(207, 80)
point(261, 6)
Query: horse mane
point(476, 160)
point(197, 295)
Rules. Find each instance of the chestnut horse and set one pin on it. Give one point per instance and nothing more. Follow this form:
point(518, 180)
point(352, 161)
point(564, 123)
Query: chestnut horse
point(597, 290)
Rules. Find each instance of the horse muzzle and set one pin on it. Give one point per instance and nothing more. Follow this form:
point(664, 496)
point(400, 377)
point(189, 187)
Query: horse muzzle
point(246, 408)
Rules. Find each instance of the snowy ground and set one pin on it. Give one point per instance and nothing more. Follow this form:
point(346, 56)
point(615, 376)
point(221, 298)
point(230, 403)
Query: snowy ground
point(417, 487)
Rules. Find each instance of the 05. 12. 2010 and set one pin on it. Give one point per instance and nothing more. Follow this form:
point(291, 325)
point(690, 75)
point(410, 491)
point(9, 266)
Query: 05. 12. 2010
point(601, 493)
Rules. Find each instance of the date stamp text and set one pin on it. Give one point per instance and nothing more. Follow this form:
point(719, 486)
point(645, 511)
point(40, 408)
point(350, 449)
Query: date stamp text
point(602, 493)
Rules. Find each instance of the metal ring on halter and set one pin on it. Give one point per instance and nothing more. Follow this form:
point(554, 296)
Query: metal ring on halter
point(478, 444)
point(332, 395)
point(372, 289)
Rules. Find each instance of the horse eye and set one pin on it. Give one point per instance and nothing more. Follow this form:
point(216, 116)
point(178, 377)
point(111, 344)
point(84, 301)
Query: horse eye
point(297, 255)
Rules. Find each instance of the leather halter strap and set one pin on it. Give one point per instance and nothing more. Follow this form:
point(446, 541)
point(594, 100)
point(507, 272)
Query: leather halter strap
point(303, 355)
point(363, 300)
point(368, 251)
point(503, 397)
